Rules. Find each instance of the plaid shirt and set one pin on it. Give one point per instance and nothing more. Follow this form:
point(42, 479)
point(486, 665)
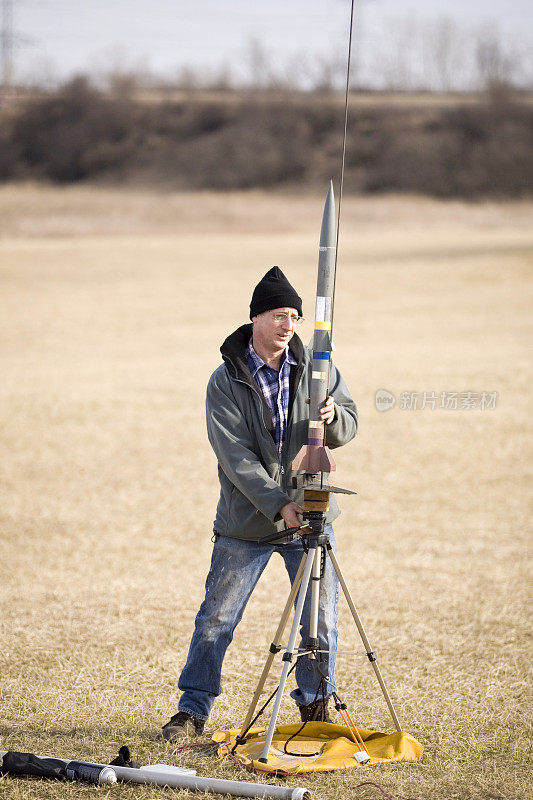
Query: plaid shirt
point(275, 388)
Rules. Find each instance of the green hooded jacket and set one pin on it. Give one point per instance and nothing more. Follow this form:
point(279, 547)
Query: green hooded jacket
point(254, 479)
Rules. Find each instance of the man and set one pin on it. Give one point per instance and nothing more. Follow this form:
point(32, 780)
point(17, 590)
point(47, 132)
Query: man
point(257, 420)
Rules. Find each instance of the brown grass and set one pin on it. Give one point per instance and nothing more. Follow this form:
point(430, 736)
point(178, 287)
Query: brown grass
point(114, 306)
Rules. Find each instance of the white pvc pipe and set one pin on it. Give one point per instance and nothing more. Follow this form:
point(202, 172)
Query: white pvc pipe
point(217, 785)
point(175, 778)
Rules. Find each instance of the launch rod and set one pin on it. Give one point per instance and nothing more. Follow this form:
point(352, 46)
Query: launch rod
point(315, 458)
point(343, 160)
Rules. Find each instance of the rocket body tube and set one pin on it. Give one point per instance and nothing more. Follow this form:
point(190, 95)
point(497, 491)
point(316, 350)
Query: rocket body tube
point(315, 457)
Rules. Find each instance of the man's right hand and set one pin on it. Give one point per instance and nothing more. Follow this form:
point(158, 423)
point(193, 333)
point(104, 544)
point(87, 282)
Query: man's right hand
point(290, 512)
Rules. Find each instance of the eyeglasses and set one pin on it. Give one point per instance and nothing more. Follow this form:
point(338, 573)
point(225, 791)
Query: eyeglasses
point(282, 316)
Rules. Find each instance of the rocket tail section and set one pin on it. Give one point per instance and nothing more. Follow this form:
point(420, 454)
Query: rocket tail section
point(312, 460)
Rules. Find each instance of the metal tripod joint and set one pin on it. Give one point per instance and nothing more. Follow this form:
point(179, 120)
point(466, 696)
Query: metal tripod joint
point(287, 656)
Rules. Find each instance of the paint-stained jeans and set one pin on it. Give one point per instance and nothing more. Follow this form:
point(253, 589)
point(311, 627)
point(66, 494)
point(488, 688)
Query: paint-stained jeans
point(236, 566)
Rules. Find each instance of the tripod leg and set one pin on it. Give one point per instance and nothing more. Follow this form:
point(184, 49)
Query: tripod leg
point(370, 653)
point(288, 655)
point(312, 642)
point(275, 646)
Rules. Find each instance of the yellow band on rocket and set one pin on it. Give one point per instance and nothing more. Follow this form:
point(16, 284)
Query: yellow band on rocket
point(322, 326)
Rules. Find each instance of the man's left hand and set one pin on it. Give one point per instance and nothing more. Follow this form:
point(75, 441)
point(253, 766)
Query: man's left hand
point(327, 412)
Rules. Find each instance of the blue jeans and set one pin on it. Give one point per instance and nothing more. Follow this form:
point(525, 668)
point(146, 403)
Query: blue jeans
point(236, 566)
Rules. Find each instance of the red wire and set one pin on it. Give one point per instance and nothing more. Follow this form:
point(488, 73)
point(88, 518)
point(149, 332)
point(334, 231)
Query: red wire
point(207, 745)
point(383, 792)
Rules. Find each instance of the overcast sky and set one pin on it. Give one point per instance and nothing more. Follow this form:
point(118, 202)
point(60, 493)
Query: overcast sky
point(60, 37)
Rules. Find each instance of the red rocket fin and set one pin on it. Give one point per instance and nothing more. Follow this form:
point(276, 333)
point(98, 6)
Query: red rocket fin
point(314, 459)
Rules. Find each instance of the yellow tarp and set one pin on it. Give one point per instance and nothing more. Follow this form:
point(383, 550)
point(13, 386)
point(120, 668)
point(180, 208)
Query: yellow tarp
point(334, 743)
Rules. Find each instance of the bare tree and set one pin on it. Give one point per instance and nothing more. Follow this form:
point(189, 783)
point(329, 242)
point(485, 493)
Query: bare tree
point(187, 79)
point(329, 73)
point(394, 63)
point(120, 74)
point(298, 71)
point(259, 65)
point(496, 66)
point(41, 73)
point(442, 49)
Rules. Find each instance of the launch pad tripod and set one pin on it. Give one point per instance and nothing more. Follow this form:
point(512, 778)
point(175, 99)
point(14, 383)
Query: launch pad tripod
point(317, 548)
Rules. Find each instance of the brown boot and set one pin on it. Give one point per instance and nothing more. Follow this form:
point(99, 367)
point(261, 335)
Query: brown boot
point(181, 726)
point(315, 712)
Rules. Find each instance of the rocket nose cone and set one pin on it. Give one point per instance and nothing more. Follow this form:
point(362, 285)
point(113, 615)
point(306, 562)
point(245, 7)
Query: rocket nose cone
point(327, 231)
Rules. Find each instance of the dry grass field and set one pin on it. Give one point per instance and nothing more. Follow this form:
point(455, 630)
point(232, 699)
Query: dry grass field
point(114, 305)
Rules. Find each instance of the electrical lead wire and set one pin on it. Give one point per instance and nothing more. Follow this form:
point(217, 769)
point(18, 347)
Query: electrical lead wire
point(343, 160)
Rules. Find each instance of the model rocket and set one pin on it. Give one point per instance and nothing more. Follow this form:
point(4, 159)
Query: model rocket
point(314, 457)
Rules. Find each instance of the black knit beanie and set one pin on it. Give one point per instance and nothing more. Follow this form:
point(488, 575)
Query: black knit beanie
point(274, 291)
